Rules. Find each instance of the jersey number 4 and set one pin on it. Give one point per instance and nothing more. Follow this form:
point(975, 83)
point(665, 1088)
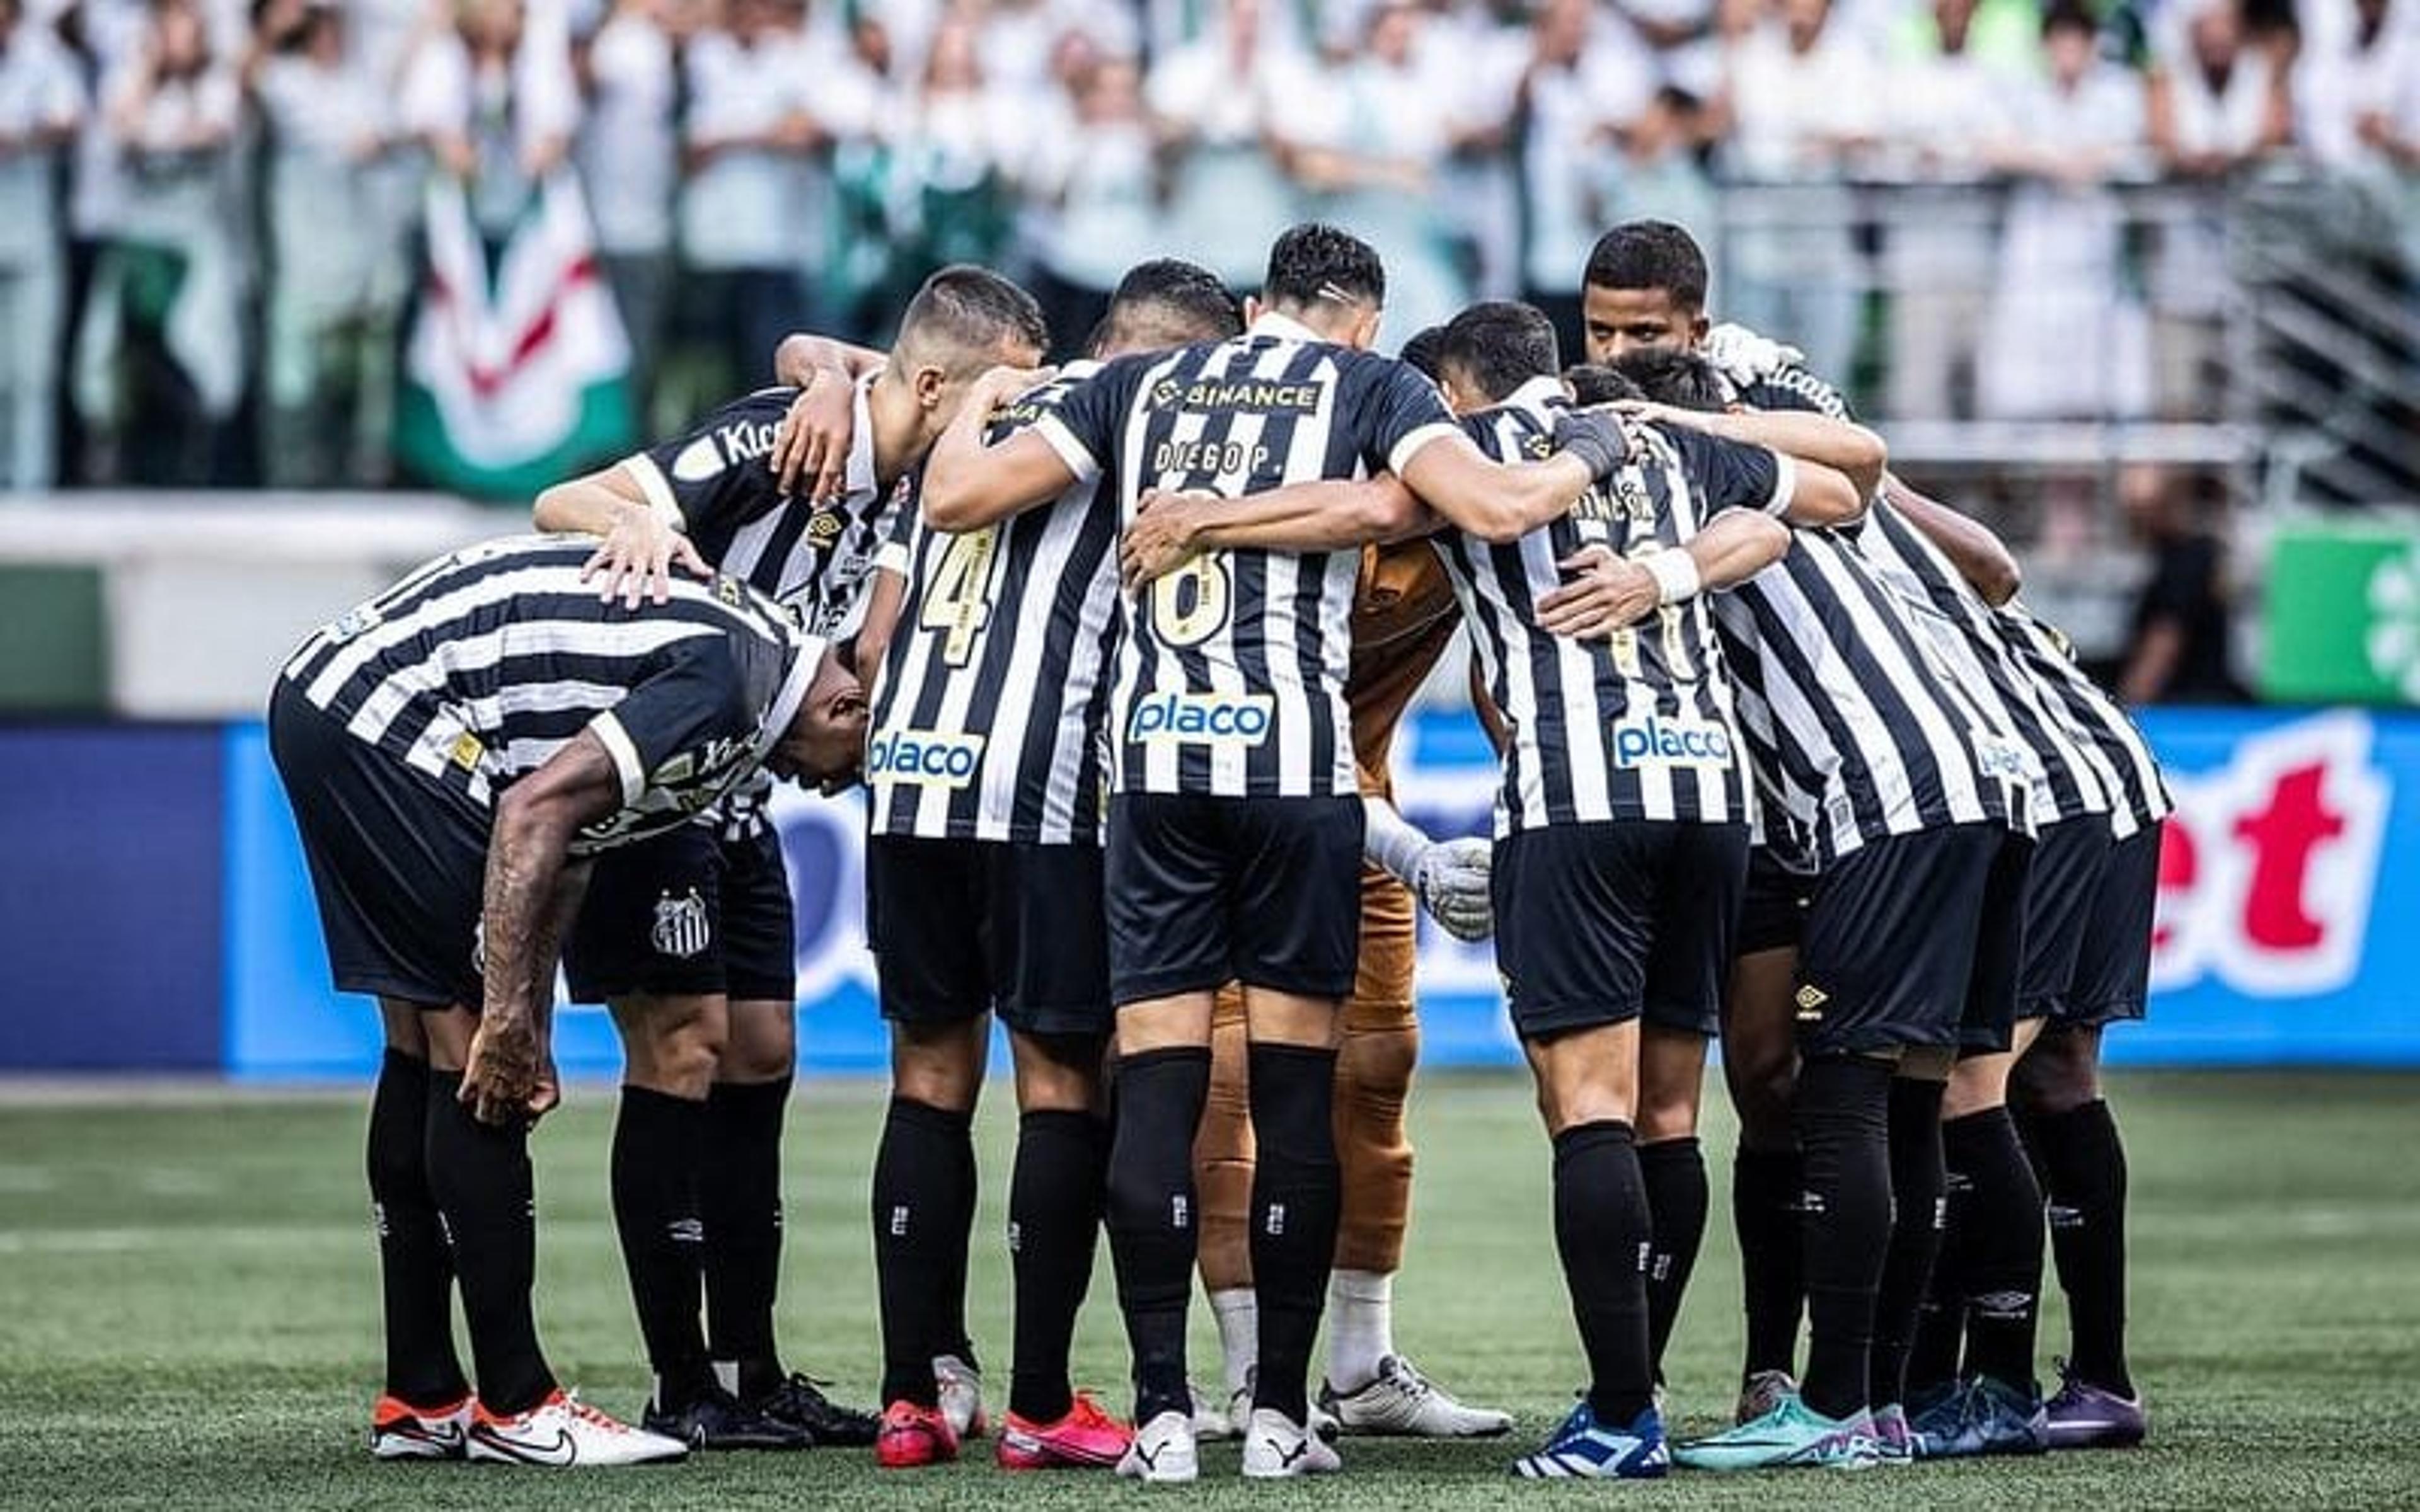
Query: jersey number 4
point(957, 602)
point(1191, 604)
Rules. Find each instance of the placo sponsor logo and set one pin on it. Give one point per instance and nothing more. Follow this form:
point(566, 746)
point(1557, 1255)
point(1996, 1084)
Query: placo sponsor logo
point(925, 758)
point(1210, 719)
point(2269, 864)
point(1674, 742)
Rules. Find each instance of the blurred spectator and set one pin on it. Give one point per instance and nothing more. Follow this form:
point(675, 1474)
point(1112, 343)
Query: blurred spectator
point(2217, 106)
point(2059, 341)
point(956, 142)
point(765, 108)
point(1944, 110)
point(495, 103)
point(1802, 99)
point(40, 103)
point(1213, 103)
point(2178, 652)
point(1657, 171)
point(1368, 146)
point(1475, 61)
point(2357, 91)
point(629, 154)
point(1099, 175)
point(1583, 84)
point(160, 351)
point(332, 297)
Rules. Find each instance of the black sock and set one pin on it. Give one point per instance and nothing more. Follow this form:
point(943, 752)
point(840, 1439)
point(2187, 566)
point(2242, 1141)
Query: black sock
point(1054, 1220)
point(916, 1203)
point(1295, 1195)
point(1674, 1171)
point(415, 1272)
point(1601, 1236)
point(1765, 1188)
point(739, 1196)
point(2002, 1286)
point(1153, 1217)
point(1933, 1358)
point(657, 1140)
point(480, 1176)
point(2087, 1192)
point(950, 1326)
point(1916, 1189)
point(1843, 1120)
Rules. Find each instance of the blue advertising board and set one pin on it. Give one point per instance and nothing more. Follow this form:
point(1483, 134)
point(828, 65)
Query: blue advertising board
point(173, 926)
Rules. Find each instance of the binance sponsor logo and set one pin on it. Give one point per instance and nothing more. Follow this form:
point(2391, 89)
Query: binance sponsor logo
point(1811, 999)
point(1201, 718)
point(1256, 395)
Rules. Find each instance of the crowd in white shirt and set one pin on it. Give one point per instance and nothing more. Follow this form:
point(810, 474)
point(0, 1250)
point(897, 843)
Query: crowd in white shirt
point(206, 207)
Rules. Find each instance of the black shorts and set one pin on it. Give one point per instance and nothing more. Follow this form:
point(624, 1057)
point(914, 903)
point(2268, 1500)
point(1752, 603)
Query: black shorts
point(1204, 891)
point(1915, 940)
point(687, 913)
point(399, 859)
point(1601, 924)
point(1772, 912)
point(2068, 859)
point(960, 927)
point(2113, 963)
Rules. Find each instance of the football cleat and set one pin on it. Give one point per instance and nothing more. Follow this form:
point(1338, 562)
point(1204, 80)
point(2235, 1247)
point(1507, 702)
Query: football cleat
point(961, 1389)
point(1161, 1452)
point(2085, 1416)
point(1760, 1392)
point(564, 1431)
point(1792, 1434)
point(912, 1436)
point(1584, 1449)
point(1894, 1440)
point(1085, 1438)
point(399, 1431)
point(717, 1420)
point(1981, 1417)
point(1400, 1401)
point(1239, 1412)
point(1211, 1422)
point(1277, 1448)
point(799, 1401)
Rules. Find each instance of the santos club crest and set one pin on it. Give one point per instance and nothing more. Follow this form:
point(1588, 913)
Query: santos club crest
point(682, 929)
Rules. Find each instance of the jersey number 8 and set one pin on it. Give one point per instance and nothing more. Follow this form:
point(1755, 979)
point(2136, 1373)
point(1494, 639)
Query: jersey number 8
point(1190, 603)
point(955, 602)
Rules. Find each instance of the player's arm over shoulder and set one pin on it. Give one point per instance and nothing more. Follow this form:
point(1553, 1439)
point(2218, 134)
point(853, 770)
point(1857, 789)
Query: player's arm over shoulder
point(974, 479)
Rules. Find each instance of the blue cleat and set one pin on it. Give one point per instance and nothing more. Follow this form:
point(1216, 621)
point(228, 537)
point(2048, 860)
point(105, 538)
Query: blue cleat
point(1585, 1449)
point(1792, 1434)
point(1984, 1417)
point(2085, 1416)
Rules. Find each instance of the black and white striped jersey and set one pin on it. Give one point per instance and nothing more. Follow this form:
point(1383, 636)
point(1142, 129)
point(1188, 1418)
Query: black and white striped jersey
point(1852, 728)
point(2069, 776)
point(478, 667)
point(1640, 726)
point(2142, 793)
point(815, 554)
point(1231, 673)
point(988, 720)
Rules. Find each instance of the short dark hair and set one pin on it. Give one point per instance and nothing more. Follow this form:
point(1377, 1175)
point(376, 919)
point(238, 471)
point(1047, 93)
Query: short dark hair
point(963, 313)
point(1592, 383)
point(1314, 261)
point(1651, 255)
point(2068, 15)
point(1420, 352)
point(1683, 379)
point(1499, 345)
point(1168, 302)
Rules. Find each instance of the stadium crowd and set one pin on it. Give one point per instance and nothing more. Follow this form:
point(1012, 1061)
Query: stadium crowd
point(208, 207)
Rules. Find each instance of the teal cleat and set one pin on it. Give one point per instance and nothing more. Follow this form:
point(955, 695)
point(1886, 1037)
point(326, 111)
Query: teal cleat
point(1894, 1440)
point(1982, 1417)
point(1792, 1434)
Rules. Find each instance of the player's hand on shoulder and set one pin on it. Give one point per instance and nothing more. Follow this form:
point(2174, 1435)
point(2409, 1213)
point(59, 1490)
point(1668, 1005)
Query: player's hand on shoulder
point(1597, 436)
point(1743, 357)
point(811, 442)
point(1452, 880)
point(636, 560)
point(1160, 537)
point(1606, 593)
point(998, 385)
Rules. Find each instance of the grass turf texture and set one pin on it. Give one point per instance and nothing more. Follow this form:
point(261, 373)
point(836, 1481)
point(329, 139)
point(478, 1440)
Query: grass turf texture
point(188, 1313)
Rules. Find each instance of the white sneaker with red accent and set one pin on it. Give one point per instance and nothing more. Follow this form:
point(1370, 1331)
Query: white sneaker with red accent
point(564, 1430)
point(399, 1431)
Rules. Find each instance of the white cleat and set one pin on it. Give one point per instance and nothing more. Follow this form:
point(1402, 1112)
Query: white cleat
point(1277, 1448)
point(564, 1431)
point(399, 1431)
point(1239, 1414)
point(1210, 1425)
point(1401, 1402)
point(961, 1396)
point(1162, 1453)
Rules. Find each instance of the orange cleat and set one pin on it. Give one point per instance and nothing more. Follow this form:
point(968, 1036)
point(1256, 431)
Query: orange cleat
point(913, 1436)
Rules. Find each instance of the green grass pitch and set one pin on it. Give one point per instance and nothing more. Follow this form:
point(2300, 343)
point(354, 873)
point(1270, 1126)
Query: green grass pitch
point(187, 1313)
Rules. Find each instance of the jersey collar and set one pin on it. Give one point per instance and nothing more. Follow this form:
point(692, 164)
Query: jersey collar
point(1538, 398)
point(809, 656)
point(1286, 328)
point(858, 474)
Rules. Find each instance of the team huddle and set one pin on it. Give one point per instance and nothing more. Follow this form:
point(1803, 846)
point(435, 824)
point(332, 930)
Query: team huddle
point(1118, 651)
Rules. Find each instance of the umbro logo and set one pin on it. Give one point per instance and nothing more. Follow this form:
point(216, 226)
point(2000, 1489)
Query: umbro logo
point(1811, 1000)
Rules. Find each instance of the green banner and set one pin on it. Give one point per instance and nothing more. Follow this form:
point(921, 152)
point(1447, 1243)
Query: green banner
point(2343, 615)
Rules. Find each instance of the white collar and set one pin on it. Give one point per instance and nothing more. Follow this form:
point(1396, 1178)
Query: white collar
point(1286, 328)
point(793, 691)
point(1537, 396)
point(858, 474)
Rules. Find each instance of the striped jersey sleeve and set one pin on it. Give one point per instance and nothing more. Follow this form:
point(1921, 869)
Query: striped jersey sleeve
point(2143, 797)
